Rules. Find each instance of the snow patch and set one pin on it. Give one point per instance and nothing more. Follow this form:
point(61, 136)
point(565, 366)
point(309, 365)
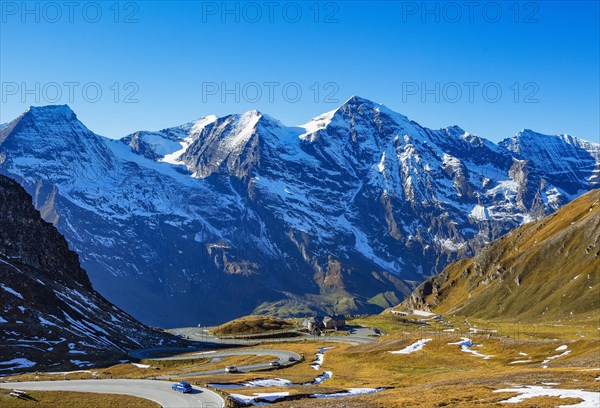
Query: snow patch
point(590, 399)
point(480, 213)
point(423, 313)
point(465, 346)
point(547, 360)
point(325, 376)
point(275, 382)
point(316, 124)
point(11, 291)
point(350, 393)
point(412, 348)
point(16, 363)
point(255, 399)
point(81, 363)
point(268, 382)
point(320, 357)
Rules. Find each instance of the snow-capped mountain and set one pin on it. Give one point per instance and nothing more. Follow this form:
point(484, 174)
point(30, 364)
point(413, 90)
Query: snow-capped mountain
point(224, 216)
point(50, 316)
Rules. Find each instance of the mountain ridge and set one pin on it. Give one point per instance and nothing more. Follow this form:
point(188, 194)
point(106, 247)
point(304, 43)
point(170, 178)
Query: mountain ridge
point(548, 269)
point(348, 212)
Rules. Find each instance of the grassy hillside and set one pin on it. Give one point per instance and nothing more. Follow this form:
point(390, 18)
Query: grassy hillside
point(546, 270)
point(252, 325)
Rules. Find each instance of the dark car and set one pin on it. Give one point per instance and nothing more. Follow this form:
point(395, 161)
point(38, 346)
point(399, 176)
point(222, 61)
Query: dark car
point(182, 386)
point(274, 364)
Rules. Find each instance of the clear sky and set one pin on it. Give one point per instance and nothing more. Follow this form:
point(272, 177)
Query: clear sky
point(440, 63)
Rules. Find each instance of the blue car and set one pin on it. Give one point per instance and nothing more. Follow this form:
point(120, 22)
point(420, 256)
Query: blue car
point(182, 386)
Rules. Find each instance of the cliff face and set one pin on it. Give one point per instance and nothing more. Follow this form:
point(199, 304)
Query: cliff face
point(545, 270)
point(27, 239)
point(50, 316)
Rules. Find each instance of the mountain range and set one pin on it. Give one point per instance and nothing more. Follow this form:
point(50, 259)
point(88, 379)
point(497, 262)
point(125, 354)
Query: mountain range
point(225, 216)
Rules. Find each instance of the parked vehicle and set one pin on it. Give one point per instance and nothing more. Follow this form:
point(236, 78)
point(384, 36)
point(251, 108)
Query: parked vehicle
point(274, 364)
point(231, 369)
point(182, 386)
point(292, 359)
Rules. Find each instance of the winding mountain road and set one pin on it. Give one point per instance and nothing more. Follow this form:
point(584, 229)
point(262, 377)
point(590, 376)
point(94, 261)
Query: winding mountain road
point(160, 391)
point(157, 391)
point(201, 340)
point(283, 357)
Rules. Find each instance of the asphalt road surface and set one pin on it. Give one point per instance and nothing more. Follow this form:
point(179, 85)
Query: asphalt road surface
point(359, 335)
point(281, 356)
point(157, 391)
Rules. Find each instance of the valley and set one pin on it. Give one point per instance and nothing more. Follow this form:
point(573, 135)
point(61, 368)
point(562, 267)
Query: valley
point(299, 204)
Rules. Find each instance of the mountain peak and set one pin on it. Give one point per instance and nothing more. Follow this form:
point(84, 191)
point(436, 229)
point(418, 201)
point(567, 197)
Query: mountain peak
point(359, 104)
point(528, 136)
point(51, 112)
point(253, 113)
point(358, 100)
point(455, 130)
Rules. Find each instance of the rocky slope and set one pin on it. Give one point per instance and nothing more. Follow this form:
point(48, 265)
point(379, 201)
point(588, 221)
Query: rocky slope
point(50, 316)
point(545, 270)
point(225, 216)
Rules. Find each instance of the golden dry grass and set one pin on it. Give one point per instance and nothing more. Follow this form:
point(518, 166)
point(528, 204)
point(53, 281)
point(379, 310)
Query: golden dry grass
point(438, 375)
point(441, 372)
point(65, 399)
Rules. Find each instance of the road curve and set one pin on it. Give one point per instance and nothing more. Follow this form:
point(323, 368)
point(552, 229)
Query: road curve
point(157, 391)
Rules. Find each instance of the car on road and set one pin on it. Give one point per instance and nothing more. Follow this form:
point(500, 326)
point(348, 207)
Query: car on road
point(274, 364)
point(182, 386)
point(292, 359)
point(231, 369)
point(181, 336)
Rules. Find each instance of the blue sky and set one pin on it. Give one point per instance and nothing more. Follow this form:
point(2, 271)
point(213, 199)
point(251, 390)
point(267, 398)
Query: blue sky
point(440, 64)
